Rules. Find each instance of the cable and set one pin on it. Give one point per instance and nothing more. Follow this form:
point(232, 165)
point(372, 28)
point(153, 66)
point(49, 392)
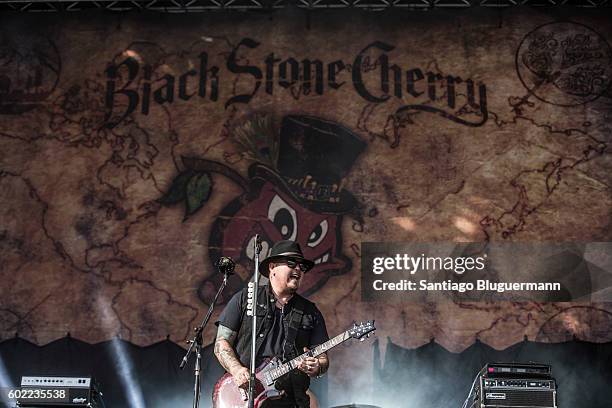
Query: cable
point(471, 389)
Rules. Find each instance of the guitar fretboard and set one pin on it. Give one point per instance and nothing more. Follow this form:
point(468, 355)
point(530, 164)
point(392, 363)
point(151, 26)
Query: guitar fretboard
point(320, 349)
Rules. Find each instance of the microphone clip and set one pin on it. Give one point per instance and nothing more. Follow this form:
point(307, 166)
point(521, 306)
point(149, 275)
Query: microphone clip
point(258, 246)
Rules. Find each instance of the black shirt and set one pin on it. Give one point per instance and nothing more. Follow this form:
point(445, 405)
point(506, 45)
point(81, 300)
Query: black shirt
point(231, 317)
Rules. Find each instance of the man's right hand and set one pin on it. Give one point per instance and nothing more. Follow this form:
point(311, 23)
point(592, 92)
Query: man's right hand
point(241, 377)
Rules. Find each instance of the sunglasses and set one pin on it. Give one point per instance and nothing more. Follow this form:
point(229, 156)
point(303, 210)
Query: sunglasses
point(292, 263)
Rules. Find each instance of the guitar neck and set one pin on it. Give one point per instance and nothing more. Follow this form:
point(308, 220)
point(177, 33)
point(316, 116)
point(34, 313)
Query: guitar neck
point(320, 349)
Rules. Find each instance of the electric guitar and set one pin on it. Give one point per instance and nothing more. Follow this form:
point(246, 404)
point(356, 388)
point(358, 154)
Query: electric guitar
point(227, 394)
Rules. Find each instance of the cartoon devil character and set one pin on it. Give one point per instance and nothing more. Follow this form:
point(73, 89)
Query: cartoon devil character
point(294, 191)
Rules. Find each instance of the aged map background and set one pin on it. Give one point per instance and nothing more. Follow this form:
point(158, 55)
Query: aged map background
point(101, 237)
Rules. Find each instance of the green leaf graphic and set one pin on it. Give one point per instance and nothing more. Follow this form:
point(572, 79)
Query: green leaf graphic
point(178, 189)
point(198, 192)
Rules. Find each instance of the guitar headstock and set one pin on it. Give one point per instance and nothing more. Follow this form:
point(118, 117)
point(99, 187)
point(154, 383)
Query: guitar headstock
point(361, 330)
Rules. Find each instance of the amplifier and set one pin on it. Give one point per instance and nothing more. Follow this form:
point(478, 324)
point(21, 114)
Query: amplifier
point(54, 391)
point(517, 370)
point(517, 392)
point(513, 385)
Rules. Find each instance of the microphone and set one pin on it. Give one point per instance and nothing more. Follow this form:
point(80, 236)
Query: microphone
point(226, 265)
point(257, 244)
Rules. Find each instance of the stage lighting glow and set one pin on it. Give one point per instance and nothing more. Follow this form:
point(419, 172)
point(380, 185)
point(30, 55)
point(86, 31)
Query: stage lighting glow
point(123, 363)
point(125, 372)
point(5, 382)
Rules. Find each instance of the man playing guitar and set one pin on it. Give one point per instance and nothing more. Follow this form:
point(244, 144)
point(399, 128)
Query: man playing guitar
point(288, 325)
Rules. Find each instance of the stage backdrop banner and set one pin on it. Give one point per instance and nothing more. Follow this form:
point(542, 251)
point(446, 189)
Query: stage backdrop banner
point(137, 149)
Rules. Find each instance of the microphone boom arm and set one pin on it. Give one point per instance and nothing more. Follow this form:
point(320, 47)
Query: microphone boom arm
point(226, 266)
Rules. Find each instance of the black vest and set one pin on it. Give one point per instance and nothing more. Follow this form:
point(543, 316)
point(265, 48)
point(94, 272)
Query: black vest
point(302, 312)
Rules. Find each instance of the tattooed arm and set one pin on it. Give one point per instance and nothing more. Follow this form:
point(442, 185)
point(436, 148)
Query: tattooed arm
point(227, 356)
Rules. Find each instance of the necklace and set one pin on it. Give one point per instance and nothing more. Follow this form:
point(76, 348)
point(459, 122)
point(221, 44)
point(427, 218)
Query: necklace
point(280, 303)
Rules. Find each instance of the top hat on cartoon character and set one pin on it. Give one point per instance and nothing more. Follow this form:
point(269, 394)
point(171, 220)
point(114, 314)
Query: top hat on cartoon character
point(314, 157)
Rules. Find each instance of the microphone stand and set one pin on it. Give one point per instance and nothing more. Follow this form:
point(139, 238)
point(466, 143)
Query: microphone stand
point(196, 342)
point(255, 288)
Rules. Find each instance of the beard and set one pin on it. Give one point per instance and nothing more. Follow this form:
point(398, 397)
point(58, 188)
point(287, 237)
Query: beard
point(293, 287)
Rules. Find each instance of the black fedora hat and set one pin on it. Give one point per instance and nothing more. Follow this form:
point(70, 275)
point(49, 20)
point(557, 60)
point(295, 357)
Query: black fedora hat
point(284, 250)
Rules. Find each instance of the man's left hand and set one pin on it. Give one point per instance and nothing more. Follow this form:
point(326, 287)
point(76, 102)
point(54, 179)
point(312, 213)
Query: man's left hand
point(310, 365)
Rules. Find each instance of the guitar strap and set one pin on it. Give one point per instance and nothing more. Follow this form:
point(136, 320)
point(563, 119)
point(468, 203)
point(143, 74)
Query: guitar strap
point(295, 321)
point(298, 382)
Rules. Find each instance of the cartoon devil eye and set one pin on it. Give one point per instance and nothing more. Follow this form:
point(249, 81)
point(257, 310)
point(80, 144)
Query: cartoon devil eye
point(283, 217)
point(317, 234)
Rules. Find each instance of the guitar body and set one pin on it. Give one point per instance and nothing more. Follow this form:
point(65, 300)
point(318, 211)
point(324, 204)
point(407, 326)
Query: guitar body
point(227, 394)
